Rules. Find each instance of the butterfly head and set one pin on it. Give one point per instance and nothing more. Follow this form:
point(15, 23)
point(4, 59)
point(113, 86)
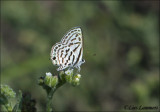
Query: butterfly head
point(54, 60)
point(83, 61)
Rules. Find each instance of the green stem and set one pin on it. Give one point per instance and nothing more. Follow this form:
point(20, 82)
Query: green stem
point(49, 100)
point(50, 96)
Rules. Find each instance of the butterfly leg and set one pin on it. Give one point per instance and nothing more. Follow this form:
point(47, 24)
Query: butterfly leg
point(79, 68)
point(60, 68)
point(70, 68)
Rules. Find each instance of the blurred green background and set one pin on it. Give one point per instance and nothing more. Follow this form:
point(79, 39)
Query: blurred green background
point(121, 49)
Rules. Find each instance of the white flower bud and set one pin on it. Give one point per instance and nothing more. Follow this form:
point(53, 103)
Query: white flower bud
point(78, 76)
point(48, 74)
point(69, 72)
point(77, 79)
point(50, 80)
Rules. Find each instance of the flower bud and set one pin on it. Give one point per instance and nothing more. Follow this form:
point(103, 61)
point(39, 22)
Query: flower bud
point(76, 80)
point(50, 80)
point(54, 81)
point(69, 75)
point(69, 72)
point(62, 75)
point(41, 80)
point(78, 76)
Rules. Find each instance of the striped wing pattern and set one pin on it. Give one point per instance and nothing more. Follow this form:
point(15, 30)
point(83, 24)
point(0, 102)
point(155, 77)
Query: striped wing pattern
point(68, 52)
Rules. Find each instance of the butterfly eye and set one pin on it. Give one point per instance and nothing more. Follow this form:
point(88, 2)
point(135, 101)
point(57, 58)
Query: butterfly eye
point(54, 58)
point(83, 61)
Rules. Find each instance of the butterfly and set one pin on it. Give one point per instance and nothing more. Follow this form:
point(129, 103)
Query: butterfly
point(69, 51)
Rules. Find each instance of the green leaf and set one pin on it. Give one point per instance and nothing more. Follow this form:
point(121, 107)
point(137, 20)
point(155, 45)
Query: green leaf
point(18, 106)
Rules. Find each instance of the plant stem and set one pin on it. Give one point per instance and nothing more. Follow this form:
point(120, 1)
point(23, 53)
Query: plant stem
point(50, 96)
point(49, 100)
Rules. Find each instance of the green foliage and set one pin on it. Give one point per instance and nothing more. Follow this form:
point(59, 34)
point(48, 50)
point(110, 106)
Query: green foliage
point(6, 94)
point(24, 101)
point(18, 105)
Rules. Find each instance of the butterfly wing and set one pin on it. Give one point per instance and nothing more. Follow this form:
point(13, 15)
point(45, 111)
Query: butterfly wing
point(75, 44)
point(68, 52)
point(69, 34)
point(77, 48)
